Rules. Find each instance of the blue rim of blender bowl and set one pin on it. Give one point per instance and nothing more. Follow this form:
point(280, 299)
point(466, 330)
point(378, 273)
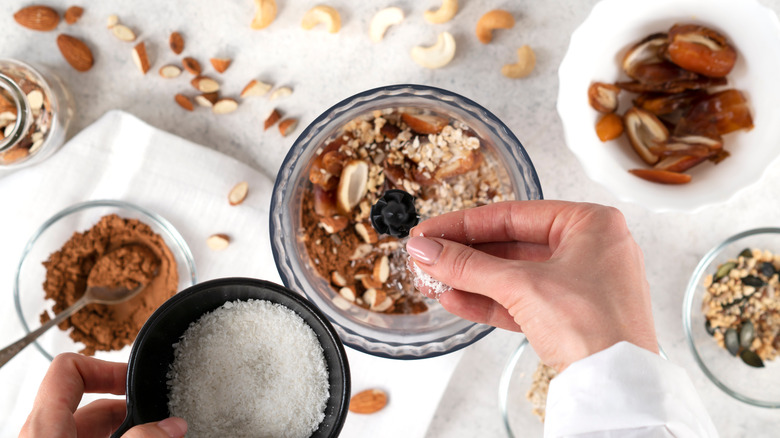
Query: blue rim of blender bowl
point(167, 227)
point(533, 190)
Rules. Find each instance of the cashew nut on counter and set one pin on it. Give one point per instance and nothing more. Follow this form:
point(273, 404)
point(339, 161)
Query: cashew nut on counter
point(495, 19)
point(265, 15)
point(446, 11)
point(526, 61)
point(382, 20)
point(437, 55)
point(322, 14)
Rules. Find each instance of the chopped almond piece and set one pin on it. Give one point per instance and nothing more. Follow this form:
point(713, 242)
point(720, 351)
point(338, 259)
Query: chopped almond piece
point(191, 65)
point(287, 126)
point(184, 102)
point(609, 127)
point(176, 42)
point(140, 57)
point(220, 64)
point(271, 119)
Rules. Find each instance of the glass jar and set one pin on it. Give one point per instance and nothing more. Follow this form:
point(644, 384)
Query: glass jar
point(35, 111)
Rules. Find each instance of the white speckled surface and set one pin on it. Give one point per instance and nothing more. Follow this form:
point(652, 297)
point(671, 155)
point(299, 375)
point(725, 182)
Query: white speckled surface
point(324, 68)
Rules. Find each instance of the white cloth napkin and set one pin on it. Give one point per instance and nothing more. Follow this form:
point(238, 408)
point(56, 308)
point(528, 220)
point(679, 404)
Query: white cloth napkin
point(121, 157)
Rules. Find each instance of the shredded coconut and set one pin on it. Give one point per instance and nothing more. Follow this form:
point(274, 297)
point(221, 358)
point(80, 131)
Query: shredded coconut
point(423, 281)
point(249, 369)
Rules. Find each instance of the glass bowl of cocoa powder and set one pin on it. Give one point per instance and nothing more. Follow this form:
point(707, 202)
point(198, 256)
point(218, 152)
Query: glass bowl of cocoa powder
point(56, 262)
point(449, 152)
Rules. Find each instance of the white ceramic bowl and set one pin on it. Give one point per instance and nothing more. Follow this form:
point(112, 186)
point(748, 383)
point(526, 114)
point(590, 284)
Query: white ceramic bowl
point(596, 49)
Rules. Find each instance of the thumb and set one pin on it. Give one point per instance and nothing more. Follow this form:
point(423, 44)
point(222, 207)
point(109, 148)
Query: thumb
point(467, 269)
point(172, 427)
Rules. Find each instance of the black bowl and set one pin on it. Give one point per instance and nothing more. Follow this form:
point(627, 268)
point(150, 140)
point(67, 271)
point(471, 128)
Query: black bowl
point(152, 353)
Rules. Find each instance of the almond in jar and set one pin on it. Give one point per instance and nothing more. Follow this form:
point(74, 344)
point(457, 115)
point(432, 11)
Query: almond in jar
point(35, 111)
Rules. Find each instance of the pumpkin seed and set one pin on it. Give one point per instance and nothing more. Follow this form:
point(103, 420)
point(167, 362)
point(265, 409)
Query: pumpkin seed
point(752, 280)
point(731, 339)
point(746, 253)
point(708, 326)
point(746, 334)
point(751, 358)
point(767, 269)
point(723, 270)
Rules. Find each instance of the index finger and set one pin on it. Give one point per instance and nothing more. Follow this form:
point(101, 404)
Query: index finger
point(71, 375)
point(519, 221)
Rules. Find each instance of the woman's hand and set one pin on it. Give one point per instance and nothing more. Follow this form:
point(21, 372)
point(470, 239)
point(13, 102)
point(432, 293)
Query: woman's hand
point(55, 413)
point(568, 275)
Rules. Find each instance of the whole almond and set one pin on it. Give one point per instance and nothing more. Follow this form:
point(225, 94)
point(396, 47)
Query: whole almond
point(38, 17)
point(170, 71)
point(220, 64)
point(287, 126)
point(224, 106)
point(191, 65)
point(271, 119)
point(205, 84)
point(140, 57)
point(73, 13)
point(176, 42)
point(368, 401)
point(78, 54)
point(184, 102)
point(238, 193)
point(218, 242)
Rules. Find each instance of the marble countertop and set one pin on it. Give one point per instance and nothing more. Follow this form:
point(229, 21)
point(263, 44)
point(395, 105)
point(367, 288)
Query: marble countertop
point(324, 68)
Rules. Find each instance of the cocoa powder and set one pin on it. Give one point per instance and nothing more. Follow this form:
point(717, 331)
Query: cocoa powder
point(115, 251)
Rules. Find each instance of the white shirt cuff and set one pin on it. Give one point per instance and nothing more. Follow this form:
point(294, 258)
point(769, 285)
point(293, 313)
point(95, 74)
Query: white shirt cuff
point(625, 391)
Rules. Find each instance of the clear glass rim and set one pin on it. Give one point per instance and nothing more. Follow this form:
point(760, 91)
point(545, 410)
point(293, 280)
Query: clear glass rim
point(56, 124)
point(687, 310)
point(22, 122)
point(167, 228)
point(429, 348)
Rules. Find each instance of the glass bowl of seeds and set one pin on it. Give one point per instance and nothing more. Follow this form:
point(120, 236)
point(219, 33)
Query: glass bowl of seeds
point(449, 152)
point(731, 316)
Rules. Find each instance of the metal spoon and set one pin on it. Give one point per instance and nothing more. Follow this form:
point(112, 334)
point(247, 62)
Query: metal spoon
point(94, 294)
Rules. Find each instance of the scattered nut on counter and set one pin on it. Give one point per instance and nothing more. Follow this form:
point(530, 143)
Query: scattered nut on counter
point(526, 61)
point(382, 20)
point(220, 64)
point(184, 102)
point(272, 118)
point(191, 65)
point(265, 14)
point(445, 13)
point(495, 19)
point(368, 401)
point(287, 126)
point(322, 14)
point(76, 52)
point(224, 106)
point(123, 32)
point(437, 55)
point(238, 193)
point(218, 242)
point(38, 17)
point(176, 43)
point(255, 88)
point(281, 92)
point(73, 14)
point(140, 57)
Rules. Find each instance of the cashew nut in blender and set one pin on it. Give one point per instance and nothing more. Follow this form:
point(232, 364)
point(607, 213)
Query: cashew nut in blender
point(526, 61)
point(265, 14)
point(322, 14)
point(495, 19)
point(437, 55)
point(445, 13)
point(382, 20)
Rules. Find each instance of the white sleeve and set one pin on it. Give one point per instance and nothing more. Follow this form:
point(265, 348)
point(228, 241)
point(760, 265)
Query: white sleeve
point(625, 391)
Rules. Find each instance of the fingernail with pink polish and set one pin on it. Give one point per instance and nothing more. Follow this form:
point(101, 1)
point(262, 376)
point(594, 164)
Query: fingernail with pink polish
point(175, 427)
point(424, 250)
